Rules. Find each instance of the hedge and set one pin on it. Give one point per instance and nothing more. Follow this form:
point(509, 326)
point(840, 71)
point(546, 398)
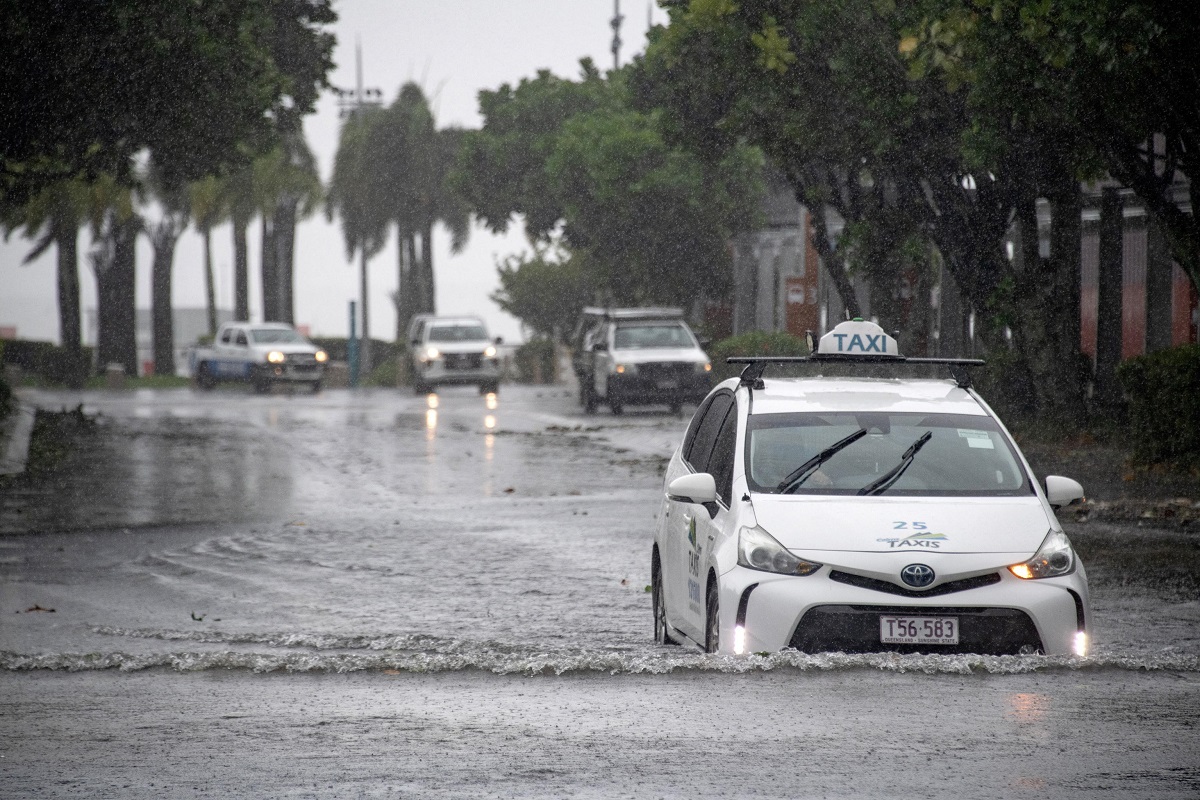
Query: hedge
point(52, 363)
point(1163, 392)
point(534, 361)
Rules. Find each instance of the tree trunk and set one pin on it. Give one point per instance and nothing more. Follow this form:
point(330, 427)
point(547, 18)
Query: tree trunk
point(210, 291)
point(1159, 279)
point(66, 237)
point(285, 249)
point(241, 269)
point(364, 352)
point(835, 265)
point(429, 306)
point(164, 237)
point(406, 296)
point(115, 268)
point(269, 271)
point(1046, 307)
point(1110, 287)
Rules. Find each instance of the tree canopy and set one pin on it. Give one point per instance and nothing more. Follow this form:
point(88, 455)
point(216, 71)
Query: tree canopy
point(201, 85)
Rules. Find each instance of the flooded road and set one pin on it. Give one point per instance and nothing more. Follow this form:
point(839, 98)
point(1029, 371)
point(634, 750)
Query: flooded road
point(378, 594)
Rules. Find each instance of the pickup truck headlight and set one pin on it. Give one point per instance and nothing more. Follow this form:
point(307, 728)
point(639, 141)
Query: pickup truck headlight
point(431, 353)
point(625, 369)
point(321, 356)
point(759, 550)
point(276, 357)
point(1054, 558)
point(705, 367)
point(489, 351)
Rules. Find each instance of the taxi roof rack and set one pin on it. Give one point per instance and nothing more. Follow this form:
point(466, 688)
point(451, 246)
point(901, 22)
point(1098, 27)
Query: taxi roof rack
point(755, 365)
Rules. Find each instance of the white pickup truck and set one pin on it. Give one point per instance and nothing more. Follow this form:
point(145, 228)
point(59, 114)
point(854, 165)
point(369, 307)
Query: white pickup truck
point(261, 354)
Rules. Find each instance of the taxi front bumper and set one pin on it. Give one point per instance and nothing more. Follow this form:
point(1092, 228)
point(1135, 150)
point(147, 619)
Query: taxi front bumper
point(817, 613)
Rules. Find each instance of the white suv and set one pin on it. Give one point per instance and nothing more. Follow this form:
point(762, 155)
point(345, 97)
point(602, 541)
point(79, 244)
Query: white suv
point(452, 350)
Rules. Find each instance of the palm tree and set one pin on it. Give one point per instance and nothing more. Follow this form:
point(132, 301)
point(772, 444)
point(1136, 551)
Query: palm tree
point(239, 200)
point(53, 216)
point(115, 226)
point(286, 187)
point(355, 195)
point(207, 200)
point(174, 203)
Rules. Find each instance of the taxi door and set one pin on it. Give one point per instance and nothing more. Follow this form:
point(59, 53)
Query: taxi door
point(693, 530)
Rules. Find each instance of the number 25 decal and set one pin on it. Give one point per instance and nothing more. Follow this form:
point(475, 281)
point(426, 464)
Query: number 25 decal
point(900, 525)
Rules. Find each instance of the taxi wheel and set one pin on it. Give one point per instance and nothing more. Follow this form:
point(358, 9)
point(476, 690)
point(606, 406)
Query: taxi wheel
point(712, 627)
point(660, 610)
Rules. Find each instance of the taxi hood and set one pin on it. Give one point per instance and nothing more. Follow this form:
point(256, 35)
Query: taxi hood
point(895, 524)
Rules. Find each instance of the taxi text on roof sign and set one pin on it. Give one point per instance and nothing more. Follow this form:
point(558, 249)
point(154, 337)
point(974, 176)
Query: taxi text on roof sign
point(858, 338)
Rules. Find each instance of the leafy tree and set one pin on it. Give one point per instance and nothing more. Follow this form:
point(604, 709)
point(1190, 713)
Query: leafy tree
point(88, 86)
point(826, 91)
point(545, 289)
point(575, 158)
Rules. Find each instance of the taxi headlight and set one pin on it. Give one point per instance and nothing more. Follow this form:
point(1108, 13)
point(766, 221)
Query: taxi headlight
point(321, 356)
point(489, 352)
point(759, 550)
point(1054, 558)
point(276, 357)
point(431, 353)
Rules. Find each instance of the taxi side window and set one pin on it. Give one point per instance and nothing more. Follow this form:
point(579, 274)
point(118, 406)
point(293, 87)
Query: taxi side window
point(701, 447)
point(721, 462)
point(241, 338)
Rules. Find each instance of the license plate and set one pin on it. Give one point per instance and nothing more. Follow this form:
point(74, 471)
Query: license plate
point(918, 630)
point(668, 384)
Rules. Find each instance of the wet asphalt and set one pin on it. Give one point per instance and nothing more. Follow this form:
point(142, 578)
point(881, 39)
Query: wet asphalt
point(375, 594)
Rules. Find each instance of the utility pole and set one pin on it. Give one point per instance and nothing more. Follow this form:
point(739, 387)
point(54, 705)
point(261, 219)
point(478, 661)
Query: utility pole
point(351, 103)
point(615, 23)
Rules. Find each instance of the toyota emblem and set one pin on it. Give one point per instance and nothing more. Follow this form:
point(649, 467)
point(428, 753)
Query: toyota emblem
point(917, 575)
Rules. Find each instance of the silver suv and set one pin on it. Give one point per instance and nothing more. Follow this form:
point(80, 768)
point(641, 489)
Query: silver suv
point(639, 356)
point(452, 350)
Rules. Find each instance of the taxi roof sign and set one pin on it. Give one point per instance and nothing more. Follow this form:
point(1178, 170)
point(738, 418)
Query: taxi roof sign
point(855, 341)
point(858, 337)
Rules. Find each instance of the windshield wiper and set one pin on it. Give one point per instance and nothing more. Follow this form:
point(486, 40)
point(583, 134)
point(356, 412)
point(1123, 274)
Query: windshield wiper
point(885, 481)
point(800, 474)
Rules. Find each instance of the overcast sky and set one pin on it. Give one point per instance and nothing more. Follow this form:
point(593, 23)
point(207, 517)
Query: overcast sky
point(453, 48)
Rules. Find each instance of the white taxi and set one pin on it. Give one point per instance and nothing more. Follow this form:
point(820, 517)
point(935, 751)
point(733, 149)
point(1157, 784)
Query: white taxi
point(861, 514)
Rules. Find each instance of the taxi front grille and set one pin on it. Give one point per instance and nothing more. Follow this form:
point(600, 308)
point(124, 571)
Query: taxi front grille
point(950, 587)
point(855, 629)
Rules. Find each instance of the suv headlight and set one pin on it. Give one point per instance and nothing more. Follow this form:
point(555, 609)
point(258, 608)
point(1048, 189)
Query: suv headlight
point(703, 367)
point(1054, 558)
point(276, 357)
point(321, 356)
point(431, 353)
point(489, 351)
point(759, 550)
point(625, 369)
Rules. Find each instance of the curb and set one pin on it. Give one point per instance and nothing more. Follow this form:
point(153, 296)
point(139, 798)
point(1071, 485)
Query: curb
point(14, 438)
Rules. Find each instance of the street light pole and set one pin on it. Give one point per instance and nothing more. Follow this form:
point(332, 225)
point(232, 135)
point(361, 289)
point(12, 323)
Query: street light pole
point(351, 103)
point(615, 23)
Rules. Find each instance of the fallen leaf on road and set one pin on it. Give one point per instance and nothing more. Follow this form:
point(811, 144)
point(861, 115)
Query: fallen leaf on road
point(36, 607)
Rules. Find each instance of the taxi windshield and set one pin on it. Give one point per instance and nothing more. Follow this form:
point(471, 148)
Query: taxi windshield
point(457, 333)
point(276, 336)
point(962, 455)
point(629, 337)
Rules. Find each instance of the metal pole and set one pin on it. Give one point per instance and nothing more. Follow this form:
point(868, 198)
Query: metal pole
point(352, 348)
point(616, 28)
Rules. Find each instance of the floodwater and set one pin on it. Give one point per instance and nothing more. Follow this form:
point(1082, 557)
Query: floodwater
point(377, 594)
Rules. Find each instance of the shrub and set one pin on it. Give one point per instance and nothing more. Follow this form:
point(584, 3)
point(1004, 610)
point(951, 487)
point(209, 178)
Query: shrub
point(1164, 404)
point(52, 363)
point(755, 343)
point(535, 361)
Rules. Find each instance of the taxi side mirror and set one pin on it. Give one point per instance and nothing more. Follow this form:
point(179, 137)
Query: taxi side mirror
point(698, 487)
point(1062, 491)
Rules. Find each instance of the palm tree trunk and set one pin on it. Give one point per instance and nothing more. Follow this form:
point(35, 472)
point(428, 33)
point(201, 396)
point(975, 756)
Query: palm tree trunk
point(285, 248)
point(66, 237)
point(210, 291)
point(269, 270)
point(406, 291)
point(364, 352)
point(115, 269)
point(162, 326)
point(429, 304)
point(241, 269)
